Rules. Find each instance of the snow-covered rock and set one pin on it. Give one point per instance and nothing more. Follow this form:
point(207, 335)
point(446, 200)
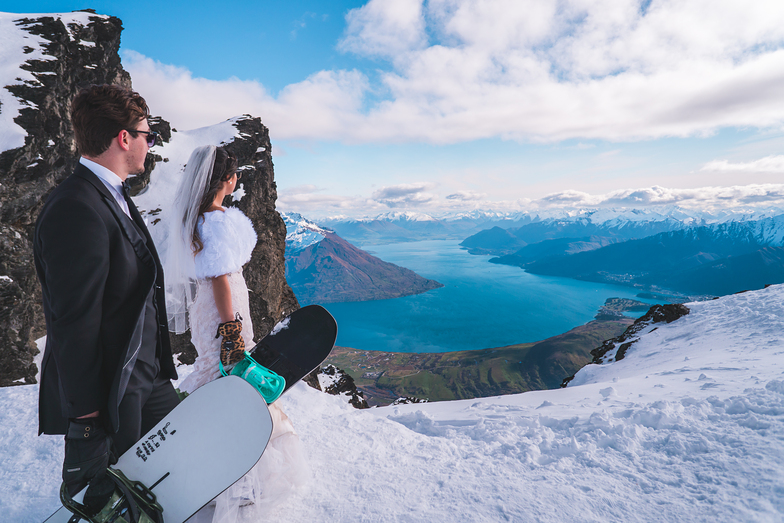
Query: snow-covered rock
point(301, 233)
point(44, 61)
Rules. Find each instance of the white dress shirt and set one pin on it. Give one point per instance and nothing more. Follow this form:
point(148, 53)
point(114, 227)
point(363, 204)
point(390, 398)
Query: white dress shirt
point(110, 180)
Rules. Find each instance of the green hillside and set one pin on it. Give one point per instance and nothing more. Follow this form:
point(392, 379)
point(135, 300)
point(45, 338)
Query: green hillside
point(386, 376)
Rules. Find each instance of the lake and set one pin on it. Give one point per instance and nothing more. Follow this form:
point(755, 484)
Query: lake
point(481, 305)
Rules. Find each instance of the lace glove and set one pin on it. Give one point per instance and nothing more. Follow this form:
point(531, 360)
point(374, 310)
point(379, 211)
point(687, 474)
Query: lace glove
point(88, 451)
point(232, 346)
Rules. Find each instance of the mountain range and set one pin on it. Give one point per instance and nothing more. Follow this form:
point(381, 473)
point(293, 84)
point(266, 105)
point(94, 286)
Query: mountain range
point(715, 259)
point(529, 226)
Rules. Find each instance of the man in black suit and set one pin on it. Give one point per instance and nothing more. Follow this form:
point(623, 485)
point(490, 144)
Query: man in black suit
point(107, 366)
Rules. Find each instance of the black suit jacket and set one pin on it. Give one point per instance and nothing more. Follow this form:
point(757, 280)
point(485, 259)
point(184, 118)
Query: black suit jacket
point(96, 269)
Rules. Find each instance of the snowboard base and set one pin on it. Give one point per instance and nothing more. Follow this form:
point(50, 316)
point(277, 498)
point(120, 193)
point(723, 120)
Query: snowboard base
point(187, 459)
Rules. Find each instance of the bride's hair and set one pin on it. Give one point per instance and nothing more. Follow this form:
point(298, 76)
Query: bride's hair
point(225, 165)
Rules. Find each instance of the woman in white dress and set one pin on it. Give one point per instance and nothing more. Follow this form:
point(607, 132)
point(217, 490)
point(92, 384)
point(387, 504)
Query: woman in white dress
point(206, 249)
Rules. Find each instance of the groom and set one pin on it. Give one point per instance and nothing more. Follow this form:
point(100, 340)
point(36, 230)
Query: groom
point(107, 365)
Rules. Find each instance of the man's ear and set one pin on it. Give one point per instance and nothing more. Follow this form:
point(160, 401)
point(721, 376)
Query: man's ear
point(123, 139)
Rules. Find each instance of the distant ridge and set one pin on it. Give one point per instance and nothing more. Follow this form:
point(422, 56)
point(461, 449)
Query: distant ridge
point(529, 226)
point(711, 260)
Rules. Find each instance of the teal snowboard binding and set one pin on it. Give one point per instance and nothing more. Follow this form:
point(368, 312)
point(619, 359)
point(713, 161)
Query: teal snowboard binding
point(269, 384)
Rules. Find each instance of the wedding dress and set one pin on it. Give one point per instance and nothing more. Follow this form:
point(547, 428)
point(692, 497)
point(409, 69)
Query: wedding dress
point(229, 239)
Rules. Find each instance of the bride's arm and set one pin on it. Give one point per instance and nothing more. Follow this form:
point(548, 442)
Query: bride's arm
point(222, 293)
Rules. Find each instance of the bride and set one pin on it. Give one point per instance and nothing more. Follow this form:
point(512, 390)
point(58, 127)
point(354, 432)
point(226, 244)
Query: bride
point(207, 246)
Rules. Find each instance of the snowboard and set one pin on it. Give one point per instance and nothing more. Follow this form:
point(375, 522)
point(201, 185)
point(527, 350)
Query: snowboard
point(190, 457)
point(298, 344)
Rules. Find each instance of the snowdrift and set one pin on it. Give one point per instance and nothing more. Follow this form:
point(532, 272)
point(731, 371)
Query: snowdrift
point(689, 426)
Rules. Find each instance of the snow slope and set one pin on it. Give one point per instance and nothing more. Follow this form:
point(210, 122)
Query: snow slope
point(689, 426)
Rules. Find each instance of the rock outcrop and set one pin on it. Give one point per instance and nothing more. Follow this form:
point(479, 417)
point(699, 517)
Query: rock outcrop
point(615, 349)
point(271, 298)
point(77, 55)
point(337, 382)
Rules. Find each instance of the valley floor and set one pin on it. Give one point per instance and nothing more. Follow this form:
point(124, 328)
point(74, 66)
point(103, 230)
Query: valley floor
point(384, 377)
point(689, 426)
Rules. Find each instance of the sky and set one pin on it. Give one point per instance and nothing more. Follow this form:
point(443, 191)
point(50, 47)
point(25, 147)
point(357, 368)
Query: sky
point(449, 105)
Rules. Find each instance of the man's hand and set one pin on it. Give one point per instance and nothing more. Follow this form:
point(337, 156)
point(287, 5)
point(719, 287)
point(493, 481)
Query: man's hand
point(87, 453)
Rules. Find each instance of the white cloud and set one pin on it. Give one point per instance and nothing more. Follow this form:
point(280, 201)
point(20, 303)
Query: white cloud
point(534, 70)
point(384, 28)
point(325, 105)
point(423, 198)
point(769, 164)
point(467, 196)
point(405, 195)
point(312, 200)
point(702, 197)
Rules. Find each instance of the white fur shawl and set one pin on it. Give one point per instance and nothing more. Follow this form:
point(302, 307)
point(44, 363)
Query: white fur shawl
point(228, 239)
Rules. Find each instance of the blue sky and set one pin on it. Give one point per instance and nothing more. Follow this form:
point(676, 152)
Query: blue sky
point(448, 105)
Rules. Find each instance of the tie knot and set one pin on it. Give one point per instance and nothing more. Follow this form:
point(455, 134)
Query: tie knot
point(126, 189)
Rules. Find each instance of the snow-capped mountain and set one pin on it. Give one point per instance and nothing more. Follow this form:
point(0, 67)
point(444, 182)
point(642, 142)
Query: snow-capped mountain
point(686, 427)
point(301, 232)
point(322, 267)
point(21, 46)
point(624, 222)
point(710, 260)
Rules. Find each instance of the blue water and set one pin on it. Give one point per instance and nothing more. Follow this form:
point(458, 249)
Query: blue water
point(481, 305)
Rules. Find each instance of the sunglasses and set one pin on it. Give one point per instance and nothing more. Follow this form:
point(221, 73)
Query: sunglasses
point(152, 136)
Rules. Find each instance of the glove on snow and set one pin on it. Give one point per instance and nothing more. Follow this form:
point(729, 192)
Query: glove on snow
point(232, 346)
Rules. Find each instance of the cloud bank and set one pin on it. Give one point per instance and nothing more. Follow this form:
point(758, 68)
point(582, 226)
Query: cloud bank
point(422, 197)
point(769, 164)
point(534, 70)
point(703, 197)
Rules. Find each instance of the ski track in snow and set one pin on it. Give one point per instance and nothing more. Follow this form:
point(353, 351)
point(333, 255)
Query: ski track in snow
point(688, 427)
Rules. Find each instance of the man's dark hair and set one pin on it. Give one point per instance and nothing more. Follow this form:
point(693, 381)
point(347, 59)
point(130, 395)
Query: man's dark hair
point(100, 112)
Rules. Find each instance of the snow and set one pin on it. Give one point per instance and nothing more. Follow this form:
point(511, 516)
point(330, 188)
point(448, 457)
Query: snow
point(405, 216)
point(301, 233)
point(281, 325)
point(239, 193)
point(13, 41)
point(689, 426)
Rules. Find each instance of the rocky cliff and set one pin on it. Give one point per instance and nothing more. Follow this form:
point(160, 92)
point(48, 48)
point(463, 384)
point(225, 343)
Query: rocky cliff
point(271, 297)
point(67, 52)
